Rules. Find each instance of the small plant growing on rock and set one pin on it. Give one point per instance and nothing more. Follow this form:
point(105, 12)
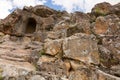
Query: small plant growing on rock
point(99, 12)
point(1, 70)
point(1, 78)
point(42, 52)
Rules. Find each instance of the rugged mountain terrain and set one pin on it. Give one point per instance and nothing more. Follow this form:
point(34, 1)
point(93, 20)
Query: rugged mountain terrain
point(39, 43)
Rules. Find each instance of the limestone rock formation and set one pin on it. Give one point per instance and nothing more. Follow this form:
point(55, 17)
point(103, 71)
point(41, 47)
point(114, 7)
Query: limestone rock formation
point(39, 43)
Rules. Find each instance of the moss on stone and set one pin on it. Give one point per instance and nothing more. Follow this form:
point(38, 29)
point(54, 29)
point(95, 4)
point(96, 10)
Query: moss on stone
point(99, 12)
point(42, 52)
point(1, 78)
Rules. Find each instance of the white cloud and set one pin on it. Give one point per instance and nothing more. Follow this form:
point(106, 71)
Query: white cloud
point(68, 5)
point(22, 3)
point(90, 3)
point(6, 5)
point(83, 5)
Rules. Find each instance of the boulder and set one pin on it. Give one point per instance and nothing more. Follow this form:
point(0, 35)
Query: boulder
point(108, 25)
point(53, 47)
point(83, 74)
point(115, 9)
point(89, 74)
point(43, 11)
point(14, 68)
point(81, 47)
point(101, 25)
point(104, 76)
point(37, 77)
point(101, 9)
point(45, 58)
point(57, 67)
point(79, 23)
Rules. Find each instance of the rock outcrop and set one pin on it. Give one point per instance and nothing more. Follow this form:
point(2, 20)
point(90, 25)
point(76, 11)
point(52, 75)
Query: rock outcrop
point(39, 43)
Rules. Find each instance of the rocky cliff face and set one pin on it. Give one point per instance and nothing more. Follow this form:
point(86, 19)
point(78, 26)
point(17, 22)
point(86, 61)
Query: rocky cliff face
point(39, 43)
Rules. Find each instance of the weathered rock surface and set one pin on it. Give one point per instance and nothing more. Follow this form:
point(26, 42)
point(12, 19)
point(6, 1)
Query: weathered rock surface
point(101, 9)
point(108, 25)
point(39, 43)
point(81, 47)
point(53, 47)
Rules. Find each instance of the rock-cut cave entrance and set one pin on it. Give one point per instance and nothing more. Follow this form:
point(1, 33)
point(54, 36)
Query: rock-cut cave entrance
point(30, 26)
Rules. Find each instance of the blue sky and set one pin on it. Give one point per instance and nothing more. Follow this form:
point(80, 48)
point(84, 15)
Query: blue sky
point(7, 6)
point(49, 4)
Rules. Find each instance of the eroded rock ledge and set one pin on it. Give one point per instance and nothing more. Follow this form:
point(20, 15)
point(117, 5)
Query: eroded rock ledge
point(39, 43)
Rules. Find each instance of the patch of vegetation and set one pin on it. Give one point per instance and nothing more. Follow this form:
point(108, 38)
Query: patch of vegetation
point(36, 66)
point(59, 14)
point(1, 70)
point(1, 78)
point(103, 60)
point(98, 12)
point(42, 52)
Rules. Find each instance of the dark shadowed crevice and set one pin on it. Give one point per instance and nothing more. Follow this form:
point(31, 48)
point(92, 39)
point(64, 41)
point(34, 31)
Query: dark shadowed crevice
point(31, 25)
point(6, 28)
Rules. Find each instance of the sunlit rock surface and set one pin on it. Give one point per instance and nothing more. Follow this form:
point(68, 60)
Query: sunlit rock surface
point(39, 43)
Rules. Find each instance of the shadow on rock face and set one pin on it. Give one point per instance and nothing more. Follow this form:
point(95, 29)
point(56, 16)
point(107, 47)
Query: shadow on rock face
point(30, 26)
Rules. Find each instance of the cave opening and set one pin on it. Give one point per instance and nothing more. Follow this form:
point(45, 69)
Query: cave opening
point(30, 26)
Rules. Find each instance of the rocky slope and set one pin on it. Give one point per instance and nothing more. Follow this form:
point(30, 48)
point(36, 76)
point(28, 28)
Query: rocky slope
point(39, 43)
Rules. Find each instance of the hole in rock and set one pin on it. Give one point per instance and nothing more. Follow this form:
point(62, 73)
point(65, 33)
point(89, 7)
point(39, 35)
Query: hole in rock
point(30, 26)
